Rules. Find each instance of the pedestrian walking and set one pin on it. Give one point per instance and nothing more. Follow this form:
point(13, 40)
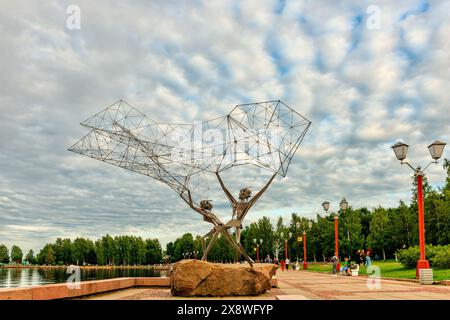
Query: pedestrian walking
point(368, 260)
point(287, 264)
point(334, 260)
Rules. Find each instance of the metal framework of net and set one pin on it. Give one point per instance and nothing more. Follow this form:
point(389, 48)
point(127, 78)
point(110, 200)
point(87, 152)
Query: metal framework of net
point(263, 134)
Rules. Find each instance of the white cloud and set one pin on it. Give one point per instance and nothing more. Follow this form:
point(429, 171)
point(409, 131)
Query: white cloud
point(363, 90)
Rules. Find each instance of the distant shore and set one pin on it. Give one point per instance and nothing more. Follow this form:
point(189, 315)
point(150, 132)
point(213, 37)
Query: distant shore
point(155, 267)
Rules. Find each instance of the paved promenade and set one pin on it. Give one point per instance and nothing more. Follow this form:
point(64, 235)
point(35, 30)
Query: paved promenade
point(303, 285)
point(313, 286)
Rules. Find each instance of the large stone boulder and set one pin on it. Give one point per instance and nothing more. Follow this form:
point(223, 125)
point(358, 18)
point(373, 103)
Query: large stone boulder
point(200, 278)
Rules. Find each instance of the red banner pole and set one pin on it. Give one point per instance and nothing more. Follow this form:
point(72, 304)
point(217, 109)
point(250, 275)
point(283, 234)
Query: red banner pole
point(336, 241)
point(422, 263)
point(305, 264)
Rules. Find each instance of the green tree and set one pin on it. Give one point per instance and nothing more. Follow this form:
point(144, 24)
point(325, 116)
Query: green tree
point(446, 166)
point(265, 232)
point(170, 249)
point(50, 256)
point(280, 234)
point(221, 251)
point(46, 255)
point(379, 231)
point(138, 250)
point(63, 251)
point(183, 245)
point(249, 233)
point(295, 243)
point(153, 251)
point(59, 251)
point(407, 225)
point(198, 246)
point(100, 252)
point(4, 254)
point(123, 250)
point(108, 249)
point(351, 232)
point(30, 257)
point(83, 251)
point(16, 254)
point(325, 236)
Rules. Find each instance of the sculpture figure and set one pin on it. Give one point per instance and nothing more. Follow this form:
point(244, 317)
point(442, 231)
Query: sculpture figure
point(264, 134)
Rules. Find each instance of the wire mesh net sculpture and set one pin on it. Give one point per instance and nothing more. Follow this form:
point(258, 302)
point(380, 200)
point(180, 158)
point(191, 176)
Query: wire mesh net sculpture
point(263, 134)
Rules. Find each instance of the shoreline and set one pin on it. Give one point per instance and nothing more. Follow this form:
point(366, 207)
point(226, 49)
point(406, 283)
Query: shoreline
point(154, 267)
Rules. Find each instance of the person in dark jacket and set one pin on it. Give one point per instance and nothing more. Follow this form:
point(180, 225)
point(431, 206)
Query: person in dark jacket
point(335, 261)
point(362, 257)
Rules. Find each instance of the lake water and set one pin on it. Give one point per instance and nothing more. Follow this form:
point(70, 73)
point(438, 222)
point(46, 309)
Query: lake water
point(22, 277)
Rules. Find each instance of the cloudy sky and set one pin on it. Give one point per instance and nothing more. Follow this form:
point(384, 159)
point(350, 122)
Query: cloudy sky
point(366, 73)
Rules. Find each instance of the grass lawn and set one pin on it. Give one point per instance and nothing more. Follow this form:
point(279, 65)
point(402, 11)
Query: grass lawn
point(389, 269)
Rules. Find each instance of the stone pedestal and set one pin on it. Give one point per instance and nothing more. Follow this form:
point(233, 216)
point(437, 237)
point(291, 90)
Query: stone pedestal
point(426, 276)
point(200, 278)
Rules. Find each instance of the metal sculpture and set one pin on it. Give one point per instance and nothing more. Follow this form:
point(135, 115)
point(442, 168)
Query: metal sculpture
point(264, 134)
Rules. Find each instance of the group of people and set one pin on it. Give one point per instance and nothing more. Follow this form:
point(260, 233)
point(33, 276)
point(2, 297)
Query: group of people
point(283, 263)
point(347, 265)
point(364, 257)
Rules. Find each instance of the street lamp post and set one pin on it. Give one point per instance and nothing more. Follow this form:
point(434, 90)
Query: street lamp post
point(286, 246)
point(436, 149)
point(326, 207)
point(305, 263)
point(343, 206)
point(285, 243)
point(297, 225)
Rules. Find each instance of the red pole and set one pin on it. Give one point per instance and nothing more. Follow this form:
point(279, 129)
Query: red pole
point(305, 264)
point(336, 241)
point(285, 249)
point(422, 263)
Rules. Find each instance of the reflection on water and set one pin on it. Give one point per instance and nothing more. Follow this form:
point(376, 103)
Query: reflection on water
point(21, 277)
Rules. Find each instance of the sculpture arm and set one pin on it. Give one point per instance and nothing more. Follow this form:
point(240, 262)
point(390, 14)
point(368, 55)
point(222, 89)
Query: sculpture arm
point(260, 193)
point(255, 198)
point(228, 194)
point(208, 216)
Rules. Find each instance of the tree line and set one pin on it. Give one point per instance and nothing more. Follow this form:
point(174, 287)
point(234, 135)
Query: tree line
point(108, 250)
point(382, 230)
